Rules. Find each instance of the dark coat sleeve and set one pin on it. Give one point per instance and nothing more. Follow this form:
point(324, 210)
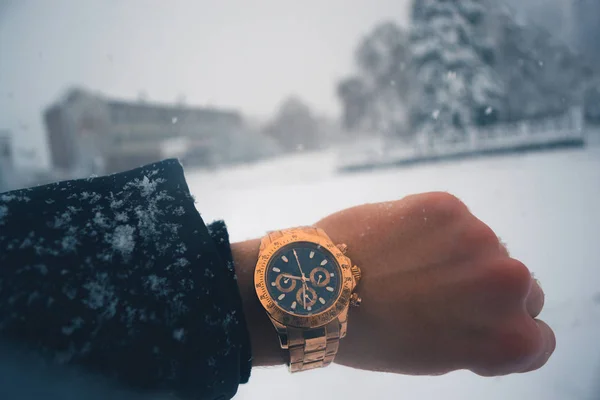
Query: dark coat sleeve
point(118, 276)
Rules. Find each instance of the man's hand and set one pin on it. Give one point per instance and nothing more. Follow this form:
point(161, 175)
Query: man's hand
point(439, 291)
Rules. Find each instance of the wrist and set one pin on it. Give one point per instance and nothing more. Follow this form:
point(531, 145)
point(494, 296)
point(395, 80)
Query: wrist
point(263, 338)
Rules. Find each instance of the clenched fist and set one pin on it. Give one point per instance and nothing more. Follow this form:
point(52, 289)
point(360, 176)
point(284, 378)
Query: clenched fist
point(439, 293)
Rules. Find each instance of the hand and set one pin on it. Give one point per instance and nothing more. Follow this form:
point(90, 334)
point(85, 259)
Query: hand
point(439, 291)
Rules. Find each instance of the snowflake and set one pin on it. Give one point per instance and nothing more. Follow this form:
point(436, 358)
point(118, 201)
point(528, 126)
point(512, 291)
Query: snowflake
point(181, 262)
point(101, 295)
point(69, 243)
point(157, 284)
point(123, 240)
point(179, 211)
point(101, 220)
point(179, 334)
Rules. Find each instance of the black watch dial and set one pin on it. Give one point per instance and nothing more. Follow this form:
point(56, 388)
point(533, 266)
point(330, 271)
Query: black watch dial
point(303, 278)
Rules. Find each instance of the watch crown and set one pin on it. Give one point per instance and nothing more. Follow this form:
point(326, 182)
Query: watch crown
point(355, 300)
point(343, 248)
point(356, 274)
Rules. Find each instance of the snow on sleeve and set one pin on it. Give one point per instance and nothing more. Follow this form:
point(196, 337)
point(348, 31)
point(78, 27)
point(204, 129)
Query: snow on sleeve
point(3, 213)
point(108, 271)
point(122, 240)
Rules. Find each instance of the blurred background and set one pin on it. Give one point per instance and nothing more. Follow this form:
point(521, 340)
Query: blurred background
point(294, 102)
point(102, 86)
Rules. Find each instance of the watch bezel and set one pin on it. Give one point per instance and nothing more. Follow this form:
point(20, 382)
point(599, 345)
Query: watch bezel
point(303, 321)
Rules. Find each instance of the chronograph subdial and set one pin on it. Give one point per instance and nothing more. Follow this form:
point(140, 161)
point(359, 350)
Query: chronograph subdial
point(307, 297)
point(319, 277)
point(285, 284)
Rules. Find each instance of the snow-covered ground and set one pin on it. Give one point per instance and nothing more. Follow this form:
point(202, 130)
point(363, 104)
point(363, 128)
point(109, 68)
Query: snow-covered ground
point(546, 206)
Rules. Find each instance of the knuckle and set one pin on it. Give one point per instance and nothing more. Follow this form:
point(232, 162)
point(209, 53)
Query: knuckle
point(443, 203)
point(512, 277)
point(482, 235)
point(475, 237)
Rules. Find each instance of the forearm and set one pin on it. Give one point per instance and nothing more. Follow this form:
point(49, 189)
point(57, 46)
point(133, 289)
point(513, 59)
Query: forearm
point(425, 260)
point(265, 345)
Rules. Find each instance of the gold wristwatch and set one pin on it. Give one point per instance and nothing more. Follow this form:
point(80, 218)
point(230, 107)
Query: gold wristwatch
point(306, 284)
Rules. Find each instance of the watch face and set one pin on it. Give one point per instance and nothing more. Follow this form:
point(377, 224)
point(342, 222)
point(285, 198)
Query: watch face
point(303, 278)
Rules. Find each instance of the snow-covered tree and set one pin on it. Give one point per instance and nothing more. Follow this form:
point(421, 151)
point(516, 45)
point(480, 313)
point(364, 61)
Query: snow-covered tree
point(375, 100)
point(456, 87)
point(355, 97)
point(295, 127)
point(542, 76)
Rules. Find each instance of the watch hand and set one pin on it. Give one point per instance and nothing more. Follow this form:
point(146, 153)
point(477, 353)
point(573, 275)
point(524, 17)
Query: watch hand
point(319, 280)
point(286, 280)
point(299, 266)
point(304, 298)
point(291, 276)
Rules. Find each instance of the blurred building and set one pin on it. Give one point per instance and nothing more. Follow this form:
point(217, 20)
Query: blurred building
point(91, 134)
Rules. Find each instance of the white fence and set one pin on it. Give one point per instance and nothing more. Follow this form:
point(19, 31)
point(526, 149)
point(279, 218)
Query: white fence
point(565, 129)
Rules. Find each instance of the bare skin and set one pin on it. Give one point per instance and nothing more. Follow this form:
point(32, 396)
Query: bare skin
point(440, 293)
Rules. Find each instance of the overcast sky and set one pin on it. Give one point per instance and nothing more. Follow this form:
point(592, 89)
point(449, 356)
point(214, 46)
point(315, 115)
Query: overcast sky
point(245, 54)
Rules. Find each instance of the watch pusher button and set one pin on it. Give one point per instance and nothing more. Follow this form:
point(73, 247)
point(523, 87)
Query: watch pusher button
point(355, 300)
point(356, 274)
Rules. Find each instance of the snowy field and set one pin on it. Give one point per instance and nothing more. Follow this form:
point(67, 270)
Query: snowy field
point(546, 206)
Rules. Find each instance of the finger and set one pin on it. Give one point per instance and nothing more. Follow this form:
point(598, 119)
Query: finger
point(535, 299)
point(548, 347)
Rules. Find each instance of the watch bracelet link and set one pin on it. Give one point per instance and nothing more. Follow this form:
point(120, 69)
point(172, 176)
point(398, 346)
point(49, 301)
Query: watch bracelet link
point(316, 347)
point(313, 348)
